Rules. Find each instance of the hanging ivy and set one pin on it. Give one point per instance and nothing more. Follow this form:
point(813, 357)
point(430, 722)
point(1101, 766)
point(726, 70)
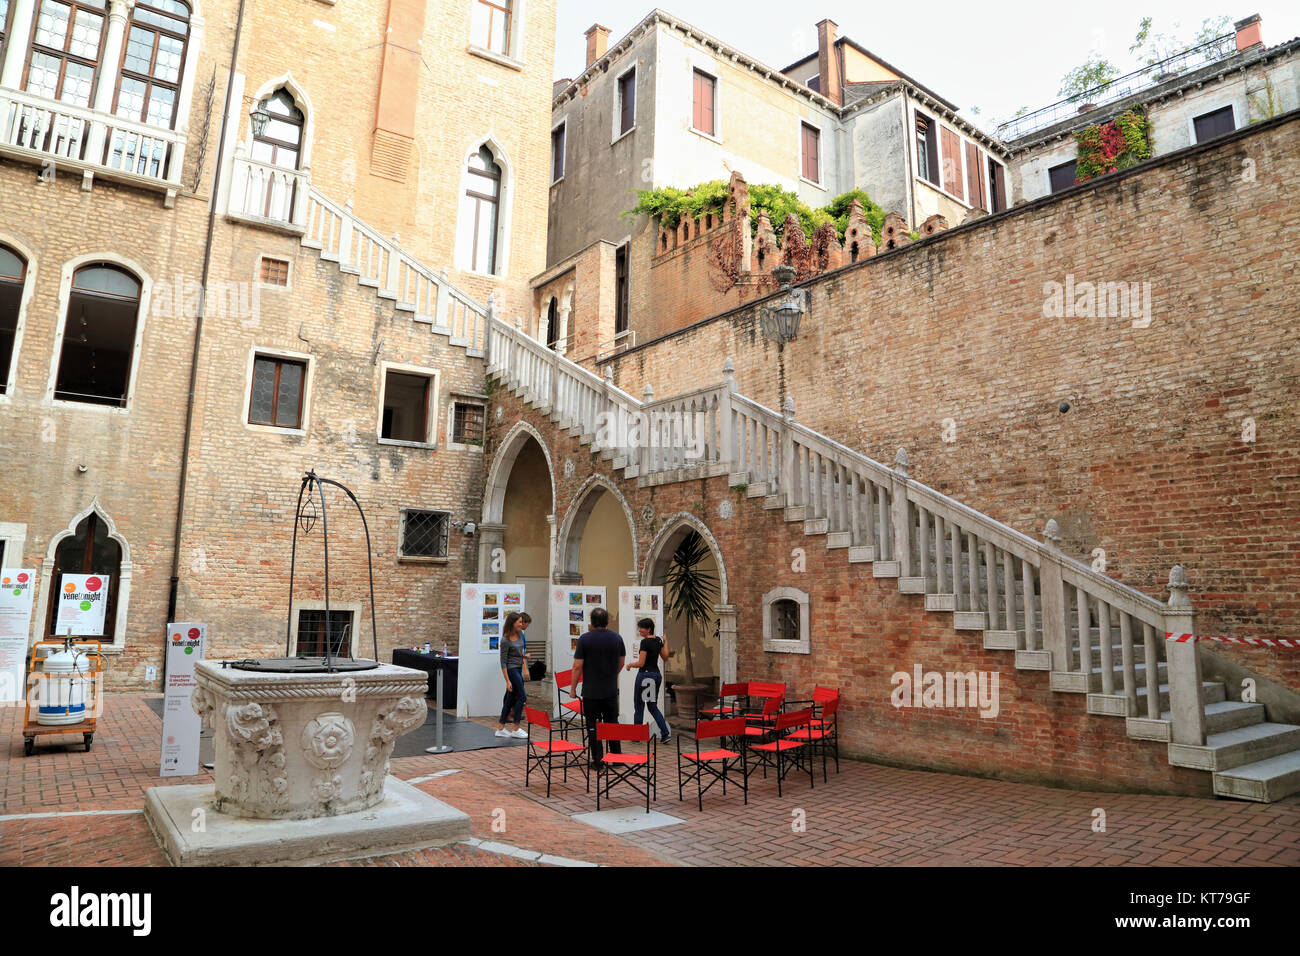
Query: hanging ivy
point(1114, 145)
point(670, 204)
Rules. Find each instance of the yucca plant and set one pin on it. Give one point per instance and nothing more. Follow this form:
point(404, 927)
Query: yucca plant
point(692, 590)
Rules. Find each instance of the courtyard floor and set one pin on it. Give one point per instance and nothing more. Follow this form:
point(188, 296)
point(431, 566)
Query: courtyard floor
point(66, 807)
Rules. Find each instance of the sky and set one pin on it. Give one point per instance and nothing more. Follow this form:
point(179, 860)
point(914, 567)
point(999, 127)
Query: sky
point(993, 57)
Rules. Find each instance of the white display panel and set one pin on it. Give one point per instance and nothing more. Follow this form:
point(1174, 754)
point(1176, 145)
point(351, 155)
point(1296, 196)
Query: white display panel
point(15, 622)
point(181, 725)
point(634, 604)
point(483, 610)
point(570, 619)
point(82, 599)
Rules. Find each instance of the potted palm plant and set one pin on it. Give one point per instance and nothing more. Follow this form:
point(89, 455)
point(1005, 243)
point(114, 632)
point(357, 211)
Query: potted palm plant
point(691, 594)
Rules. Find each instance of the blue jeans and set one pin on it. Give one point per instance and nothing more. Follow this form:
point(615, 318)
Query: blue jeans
point(647, 693)
point(514, 697)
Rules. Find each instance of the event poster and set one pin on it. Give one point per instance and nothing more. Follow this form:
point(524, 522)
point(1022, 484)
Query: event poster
point(483, 612)
point(82, 600)
point(635, 603)
point(181, 726)
point(16, 591)
point(571, 608)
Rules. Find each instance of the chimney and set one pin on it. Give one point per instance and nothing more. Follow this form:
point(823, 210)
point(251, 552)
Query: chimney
point(597, 41)
point(1249, 32)
point(828, 62)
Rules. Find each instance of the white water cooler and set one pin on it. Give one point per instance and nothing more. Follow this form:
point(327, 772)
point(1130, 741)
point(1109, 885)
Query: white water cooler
point(61, 688)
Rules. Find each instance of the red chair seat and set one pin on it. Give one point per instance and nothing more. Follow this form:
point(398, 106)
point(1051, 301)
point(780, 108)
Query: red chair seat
point(626, 758)
point(706, 755)
point(786, 744)
point(807, 735)
point(573, 705)
point(559, 746)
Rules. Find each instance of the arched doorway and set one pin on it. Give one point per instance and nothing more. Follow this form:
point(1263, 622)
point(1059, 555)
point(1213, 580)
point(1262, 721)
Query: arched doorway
point(714, 657)
point(597, 540)
point(517, 531)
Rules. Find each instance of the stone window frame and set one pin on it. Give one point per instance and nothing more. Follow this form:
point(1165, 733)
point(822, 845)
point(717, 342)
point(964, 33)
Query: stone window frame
point(274, 257)
point(615, 132)
point(770, 643)
point(352, 607)
point(14, 536)
point(562, 127)
point(1218, 106)
point(820, 182)
point(464, 398)
point(513, 58)
point(431, 415)
point(403, 557)
point(304, 420)
point(9, 373)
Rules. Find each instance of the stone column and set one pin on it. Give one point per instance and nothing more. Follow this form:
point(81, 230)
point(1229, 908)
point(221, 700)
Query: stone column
point(491, 537)
point(1186, 693)
point(110, 69)
point(726, 641)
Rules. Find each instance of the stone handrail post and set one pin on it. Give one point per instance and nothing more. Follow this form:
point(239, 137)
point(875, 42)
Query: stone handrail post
point(1052, 600)
point(1186, 695)
point(898, 514)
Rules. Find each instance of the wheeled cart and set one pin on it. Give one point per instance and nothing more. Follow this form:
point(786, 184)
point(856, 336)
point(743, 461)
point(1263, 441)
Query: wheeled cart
point(66, 702)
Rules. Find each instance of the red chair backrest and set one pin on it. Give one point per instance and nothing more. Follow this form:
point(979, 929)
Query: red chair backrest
point(760, 689)
point(540, 718)
point(823, 694)
point(771, 708)
point(631, 732)
point(734, 690)
point(828, 709)
point(709, 729)
point(800, 718)
point(564, 679)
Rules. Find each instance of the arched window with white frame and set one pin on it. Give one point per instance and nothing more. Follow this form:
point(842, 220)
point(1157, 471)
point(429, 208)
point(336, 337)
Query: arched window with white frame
point(480, 226)
point(99, 336)
point(13, 279)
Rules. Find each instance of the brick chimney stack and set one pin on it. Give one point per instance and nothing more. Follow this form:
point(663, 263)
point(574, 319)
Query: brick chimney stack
point(1249, 32)
point(597, 42)
point(828, 62)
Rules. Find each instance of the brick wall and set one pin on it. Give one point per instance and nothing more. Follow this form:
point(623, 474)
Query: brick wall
point(863, 631)
point(1149, 463)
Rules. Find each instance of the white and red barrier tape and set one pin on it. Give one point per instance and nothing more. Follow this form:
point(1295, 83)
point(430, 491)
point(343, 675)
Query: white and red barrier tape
point(1255, 641)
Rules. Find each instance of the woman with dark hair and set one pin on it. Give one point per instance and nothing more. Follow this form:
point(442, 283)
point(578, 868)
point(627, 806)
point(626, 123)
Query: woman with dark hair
point(648, 678)
point(512, 669)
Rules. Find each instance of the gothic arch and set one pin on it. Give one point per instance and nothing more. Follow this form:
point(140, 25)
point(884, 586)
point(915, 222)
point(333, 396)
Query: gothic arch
point(575, 523)
point(124, 575)
point(494, 492)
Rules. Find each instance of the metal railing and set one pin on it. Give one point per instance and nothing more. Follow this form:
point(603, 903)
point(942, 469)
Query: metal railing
point(1120, 87)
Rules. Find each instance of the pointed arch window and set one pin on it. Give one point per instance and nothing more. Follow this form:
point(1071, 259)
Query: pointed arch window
point(90, 550)
point(67, 44)
point(480, 207)
point(13, 274)
point(153, 59)
point(280, 141)
point(553, 324)
point(99, 336)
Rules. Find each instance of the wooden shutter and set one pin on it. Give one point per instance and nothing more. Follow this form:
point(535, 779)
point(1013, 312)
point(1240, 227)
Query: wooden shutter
point(627, 97)
point(951, 162)
point(999, 186)
point(975, 194)
point(703, 116)
point(811, 153)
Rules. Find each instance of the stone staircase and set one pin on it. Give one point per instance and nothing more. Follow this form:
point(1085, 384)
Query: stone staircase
point(1093, 635)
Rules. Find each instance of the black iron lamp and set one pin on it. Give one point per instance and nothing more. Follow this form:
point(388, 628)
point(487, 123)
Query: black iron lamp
point(260, 117)
point(780, 320)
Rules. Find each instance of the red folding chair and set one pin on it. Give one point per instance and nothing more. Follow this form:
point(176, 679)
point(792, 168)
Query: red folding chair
point(571, 709)
point(818, 700)
point(822, 734)
point(758, 727)
point(717, 763)
point(761, 691)
point(542, 755)
point(617, 768)
point(784, 753)
point(729, 692)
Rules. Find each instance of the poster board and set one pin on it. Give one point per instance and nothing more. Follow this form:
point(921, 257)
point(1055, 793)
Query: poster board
point(82, 600)
point(634, 604)
point(16, 592)
point(483, 609)
point(181, 727)
point(570, 609)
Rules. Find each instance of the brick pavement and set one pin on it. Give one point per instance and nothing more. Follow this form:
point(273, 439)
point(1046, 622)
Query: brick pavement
point(867, 815)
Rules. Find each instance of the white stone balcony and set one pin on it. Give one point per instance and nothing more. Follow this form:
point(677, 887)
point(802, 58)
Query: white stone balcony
point(268, 195)
point(59, 136)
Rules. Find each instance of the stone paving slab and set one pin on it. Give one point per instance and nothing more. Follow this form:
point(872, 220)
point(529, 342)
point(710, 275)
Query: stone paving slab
point(867, 815)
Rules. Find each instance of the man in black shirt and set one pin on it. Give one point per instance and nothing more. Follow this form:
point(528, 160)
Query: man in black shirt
point(597, 662)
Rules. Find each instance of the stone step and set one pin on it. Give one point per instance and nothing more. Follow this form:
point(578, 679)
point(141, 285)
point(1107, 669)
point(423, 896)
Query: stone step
point(862, 554)
point(885, 569)
point(773, 502)
point(1236, 748)
point(1033, 660)
point(1113, 704)
point(839, 539)
point(795, 513)
point(1227, 715)
point(1075, 682)
point(1263, 781)
point(757, 489)
point(1001, 640)
point(817, 526)
point(941, 602)
point(620, 462)
point(970, 620)
point(1220, 714)
point(911, 585)
point(737, 478)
